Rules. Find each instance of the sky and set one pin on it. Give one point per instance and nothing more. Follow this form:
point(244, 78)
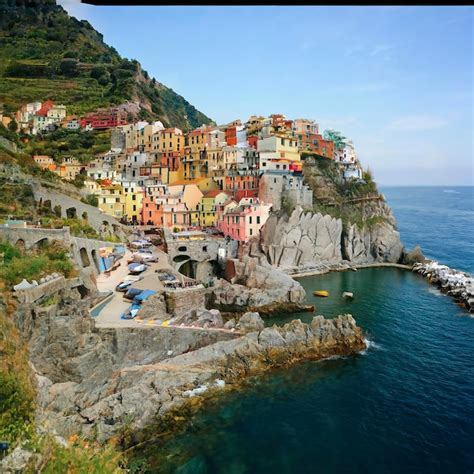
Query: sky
point(397, 81)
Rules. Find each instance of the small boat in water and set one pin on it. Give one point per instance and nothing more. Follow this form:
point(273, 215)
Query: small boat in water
point(322, 293)
point(348, 294)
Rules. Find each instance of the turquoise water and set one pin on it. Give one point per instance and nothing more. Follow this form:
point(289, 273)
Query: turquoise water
point(406, 405)
point(440, 219)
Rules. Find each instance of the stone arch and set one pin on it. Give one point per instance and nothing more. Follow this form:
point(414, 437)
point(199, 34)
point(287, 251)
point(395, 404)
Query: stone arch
point(71, 213)
point(188, 268)
point(41, 243)
point(183, 248)
point(20, 243)
point(84, 257)
point(181, 258)
point(95, 260)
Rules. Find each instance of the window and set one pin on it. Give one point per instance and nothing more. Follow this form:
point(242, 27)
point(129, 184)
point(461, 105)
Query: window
point(251, 231)
point(258, 219)
point(250, 219)
point(204, 248)
point(134, 207)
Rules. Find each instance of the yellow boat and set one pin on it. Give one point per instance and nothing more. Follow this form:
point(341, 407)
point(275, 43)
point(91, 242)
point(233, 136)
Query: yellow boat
point(322, 293)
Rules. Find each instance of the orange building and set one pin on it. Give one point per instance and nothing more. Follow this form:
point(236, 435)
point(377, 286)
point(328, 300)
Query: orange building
point(241, 186)
point(231, 135)
point(317, 144)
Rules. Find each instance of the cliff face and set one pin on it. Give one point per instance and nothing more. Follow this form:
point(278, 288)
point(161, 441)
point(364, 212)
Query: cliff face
point(348, 221)
point(255, 285)
point(306, 238)
point(95, 382)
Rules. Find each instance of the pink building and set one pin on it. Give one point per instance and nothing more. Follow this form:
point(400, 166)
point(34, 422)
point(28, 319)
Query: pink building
point(244, 221)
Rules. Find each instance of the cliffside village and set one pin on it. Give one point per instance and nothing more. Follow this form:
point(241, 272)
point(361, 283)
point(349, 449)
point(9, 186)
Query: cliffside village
point(224, 177)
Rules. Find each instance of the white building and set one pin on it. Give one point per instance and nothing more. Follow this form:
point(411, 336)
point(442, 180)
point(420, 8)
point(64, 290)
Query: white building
point(347, 155)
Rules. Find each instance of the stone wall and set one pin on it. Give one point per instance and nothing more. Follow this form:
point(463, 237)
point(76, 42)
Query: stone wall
point(84, 252)
point(101, 222)
point(274, 188)
point(180, 302)
point(203, 254)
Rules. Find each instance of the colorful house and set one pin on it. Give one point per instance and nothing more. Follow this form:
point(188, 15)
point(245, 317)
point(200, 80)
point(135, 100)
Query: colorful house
point(112, 200)
point(133, 195)
point(276, 147)
point(209, 205)
point(244, 221)
point(45, 162)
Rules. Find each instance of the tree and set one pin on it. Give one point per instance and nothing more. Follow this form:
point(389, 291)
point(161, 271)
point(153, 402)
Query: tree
point(68, 67)
point(13, 126)
point(98, 71)
point(336, 137)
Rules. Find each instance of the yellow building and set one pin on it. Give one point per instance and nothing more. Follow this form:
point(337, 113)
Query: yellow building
point(193, 161)
point(133, 196)
point(112, 200)
point(209, 206)
point(168, 140)
point(277, 147)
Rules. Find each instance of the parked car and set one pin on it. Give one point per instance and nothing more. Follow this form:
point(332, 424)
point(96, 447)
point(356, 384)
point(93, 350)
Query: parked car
point(131, 312)
point(131, 293)
point(145, 294)
point(136, 268)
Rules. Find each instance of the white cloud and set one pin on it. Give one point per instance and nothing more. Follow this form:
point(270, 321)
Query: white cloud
point(415, 123)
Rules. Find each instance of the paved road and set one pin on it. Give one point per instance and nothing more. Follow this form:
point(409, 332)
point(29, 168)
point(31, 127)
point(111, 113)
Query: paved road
point(116, 306)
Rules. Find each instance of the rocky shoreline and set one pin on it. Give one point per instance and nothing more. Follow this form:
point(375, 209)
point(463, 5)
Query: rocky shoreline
point(459, 285)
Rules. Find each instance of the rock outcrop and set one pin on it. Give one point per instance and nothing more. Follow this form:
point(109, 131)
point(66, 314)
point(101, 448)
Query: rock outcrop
point(303, 238)
point(254, 285)
point(250, 321)
point(137, 395)
point(307, 238)
point(458, 285)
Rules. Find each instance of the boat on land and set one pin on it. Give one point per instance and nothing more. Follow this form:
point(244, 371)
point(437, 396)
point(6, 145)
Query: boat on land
point(321, 293)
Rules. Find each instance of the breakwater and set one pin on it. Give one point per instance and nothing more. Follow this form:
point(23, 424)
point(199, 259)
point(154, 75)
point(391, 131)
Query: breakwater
point(457, 284)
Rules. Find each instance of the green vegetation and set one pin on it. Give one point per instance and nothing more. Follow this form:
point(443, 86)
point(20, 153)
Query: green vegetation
point(79, 457)
point(91, 199)
point(45, 54)
point(348, 200)
point(27, 165)
point(33, 265)
point(77, 143)
point(336, 137)
point(77, 227)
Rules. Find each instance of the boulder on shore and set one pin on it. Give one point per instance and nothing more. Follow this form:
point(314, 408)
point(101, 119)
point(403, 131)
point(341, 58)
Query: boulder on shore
point(250, 321)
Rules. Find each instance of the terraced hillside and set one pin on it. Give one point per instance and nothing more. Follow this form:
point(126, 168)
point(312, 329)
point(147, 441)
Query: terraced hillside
point(46, 54)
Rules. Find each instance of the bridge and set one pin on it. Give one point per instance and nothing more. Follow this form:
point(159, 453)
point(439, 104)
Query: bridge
point(84, 252)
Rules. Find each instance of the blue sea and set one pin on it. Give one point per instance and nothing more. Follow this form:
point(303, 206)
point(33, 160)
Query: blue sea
point(405, 405)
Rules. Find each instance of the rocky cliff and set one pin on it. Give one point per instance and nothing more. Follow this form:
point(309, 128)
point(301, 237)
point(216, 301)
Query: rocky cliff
point(253, 284)
point(97, 382)
point(348, 221)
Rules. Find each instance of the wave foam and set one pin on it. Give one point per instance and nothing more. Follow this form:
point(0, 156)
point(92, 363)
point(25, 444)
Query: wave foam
point(370, 345)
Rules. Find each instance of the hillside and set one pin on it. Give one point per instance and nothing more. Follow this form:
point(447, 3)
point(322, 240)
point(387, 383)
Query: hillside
point(46, 54)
